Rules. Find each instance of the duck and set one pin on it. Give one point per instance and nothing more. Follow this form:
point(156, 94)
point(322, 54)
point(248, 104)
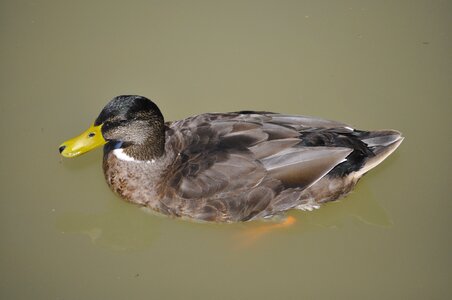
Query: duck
point(228, 167)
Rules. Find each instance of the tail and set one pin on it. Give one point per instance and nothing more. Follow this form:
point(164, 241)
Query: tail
point(382, 144)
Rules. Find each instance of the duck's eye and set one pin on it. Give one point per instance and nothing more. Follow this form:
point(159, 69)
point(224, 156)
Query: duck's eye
point(91, 134)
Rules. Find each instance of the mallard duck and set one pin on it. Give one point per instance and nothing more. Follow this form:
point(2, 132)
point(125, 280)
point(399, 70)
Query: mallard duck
point(228, 167)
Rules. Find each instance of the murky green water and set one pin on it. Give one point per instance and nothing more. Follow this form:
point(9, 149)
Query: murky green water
point(375, 65)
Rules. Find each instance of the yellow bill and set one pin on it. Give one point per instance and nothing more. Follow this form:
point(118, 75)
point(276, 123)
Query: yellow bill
point(87, 141)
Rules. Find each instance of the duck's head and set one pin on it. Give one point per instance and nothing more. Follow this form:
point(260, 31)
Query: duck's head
point(133, 123)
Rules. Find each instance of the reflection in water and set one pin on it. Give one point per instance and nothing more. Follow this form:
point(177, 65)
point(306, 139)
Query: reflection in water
point(361, 206)
point(124, 227)
point(120, 228)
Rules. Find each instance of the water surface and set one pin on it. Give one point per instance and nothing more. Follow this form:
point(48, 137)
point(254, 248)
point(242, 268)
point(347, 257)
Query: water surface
point(371, 64)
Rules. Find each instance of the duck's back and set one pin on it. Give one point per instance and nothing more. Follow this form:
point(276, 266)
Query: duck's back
point(245, 165)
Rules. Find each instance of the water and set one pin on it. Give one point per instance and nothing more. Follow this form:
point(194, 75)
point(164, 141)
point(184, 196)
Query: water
point(371, 64)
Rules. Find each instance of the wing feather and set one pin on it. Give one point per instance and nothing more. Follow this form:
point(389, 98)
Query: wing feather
point(232, 166)
point(302, 167)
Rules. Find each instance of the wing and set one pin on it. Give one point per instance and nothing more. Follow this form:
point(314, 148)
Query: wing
point(231, 166)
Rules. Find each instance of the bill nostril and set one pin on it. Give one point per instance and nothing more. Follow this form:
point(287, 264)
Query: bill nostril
point(62, 148)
